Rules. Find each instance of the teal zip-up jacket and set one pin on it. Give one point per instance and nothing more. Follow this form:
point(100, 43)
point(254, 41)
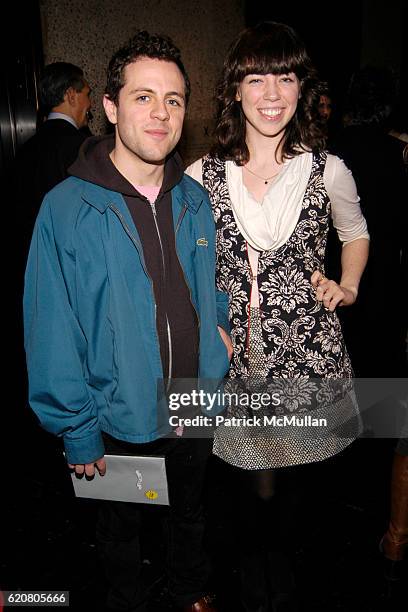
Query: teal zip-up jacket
point(91, 342)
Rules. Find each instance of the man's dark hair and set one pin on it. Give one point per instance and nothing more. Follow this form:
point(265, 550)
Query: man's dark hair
point(56, 79)
point(143, 44)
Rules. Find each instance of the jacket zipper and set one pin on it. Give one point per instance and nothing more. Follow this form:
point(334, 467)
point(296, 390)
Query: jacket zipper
point(170, 345)
point(133, 239)
point(135, 242)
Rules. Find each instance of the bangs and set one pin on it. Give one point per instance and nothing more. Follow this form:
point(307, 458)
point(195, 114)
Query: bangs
point(268, 65)
point(270, 50)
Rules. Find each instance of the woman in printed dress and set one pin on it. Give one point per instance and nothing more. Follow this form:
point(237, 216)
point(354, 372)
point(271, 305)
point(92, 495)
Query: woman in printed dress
point(273, 190)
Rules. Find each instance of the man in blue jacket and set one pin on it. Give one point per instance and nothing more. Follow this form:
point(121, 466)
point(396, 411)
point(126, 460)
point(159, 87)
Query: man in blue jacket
point(119, 293)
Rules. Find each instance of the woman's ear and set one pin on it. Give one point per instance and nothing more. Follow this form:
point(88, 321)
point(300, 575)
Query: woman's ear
point(238, 96)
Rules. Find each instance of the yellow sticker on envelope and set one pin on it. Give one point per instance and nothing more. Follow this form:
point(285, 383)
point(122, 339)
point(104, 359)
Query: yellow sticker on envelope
point(151, 494)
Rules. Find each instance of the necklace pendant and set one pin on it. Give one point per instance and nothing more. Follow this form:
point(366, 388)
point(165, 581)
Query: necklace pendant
point(266, 182)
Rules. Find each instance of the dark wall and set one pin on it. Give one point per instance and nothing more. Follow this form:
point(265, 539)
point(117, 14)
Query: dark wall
point(20, 66)
point(19, 73)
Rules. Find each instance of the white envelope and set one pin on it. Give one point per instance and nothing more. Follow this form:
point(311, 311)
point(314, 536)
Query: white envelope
point(128, 478)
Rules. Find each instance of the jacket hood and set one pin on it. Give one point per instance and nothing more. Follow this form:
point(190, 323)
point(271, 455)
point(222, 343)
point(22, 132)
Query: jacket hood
point(94, 165)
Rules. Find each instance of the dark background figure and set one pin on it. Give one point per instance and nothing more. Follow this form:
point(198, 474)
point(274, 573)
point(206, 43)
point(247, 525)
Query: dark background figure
point(375, 327)
point(42, 162)
point(325, 106)
point(330, 116)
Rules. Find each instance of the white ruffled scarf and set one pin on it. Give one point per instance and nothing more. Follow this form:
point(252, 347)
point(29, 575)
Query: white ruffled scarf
point(269, 224)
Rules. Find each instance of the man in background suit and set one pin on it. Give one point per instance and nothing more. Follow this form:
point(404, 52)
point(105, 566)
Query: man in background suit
point(43, 160)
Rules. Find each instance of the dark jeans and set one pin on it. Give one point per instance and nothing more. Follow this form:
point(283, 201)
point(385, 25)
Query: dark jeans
point(119, 524)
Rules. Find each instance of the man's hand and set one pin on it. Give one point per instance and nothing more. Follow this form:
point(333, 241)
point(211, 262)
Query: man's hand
point(227, 341)
point(332, 294)
point(89, 468)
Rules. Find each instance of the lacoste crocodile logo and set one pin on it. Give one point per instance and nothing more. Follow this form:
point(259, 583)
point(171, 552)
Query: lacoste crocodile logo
point(202, 242)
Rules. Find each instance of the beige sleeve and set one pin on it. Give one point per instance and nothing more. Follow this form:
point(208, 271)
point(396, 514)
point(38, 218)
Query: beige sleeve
point(346, 212)
point(195, 170)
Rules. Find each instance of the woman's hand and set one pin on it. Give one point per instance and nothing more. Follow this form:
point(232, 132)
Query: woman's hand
point(332, 294)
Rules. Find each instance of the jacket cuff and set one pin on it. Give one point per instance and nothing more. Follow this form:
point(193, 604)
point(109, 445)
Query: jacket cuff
point(84, 450)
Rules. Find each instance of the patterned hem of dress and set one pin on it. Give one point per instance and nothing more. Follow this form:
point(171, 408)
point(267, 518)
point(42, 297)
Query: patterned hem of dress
point(277, 453)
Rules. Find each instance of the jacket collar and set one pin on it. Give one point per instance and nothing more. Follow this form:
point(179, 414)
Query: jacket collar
point(187, 192)
point(190, 193)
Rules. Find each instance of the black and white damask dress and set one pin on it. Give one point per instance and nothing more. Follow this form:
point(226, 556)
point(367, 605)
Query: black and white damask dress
point(288, 340)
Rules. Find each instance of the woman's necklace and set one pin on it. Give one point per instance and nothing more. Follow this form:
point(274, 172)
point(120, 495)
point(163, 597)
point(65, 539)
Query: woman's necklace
point(264, 179)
